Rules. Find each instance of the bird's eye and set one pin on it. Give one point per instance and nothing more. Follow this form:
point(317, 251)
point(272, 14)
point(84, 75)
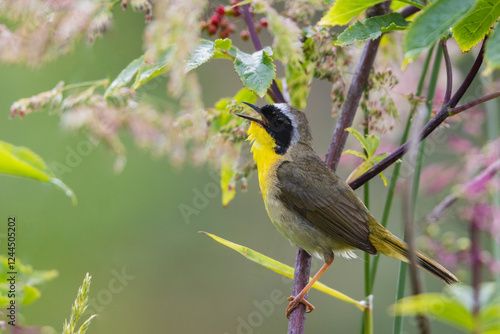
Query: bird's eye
point(280, 121)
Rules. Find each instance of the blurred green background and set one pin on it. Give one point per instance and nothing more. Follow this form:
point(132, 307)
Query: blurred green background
point(179, 281)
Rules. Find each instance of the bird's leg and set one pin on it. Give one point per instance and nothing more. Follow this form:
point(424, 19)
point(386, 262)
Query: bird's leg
point(294, 301)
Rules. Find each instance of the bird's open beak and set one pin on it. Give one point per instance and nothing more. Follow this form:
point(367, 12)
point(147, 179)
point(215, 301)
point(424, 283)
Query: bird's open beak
point(262, 121)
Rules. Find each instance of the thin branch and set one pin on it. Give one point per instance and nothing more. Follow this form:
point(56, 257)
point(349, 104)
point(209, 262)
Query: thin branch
point(429, 127)
point(409, 11)
point(477, 182)
point(457, 110)
point(449, 72)
point(351, 103)
point(273, 91)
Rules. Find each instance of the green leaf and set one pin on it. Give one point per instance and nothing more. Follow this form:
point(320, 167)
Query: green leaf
point(30, 295)
point(148, 72)
point(476, 24)
point(125, 76)
point(21, 161)
point(372, 143)
point(417, 3)
point(492, 51)
point(372, 28)
point(281, 268)
point(356, 154)
point(358, 171)
point(433, 23)
point(379, 157)
point(203, 53)
point(343, 11)
point(223, 44)
point(256, 70)
point(362, 140)
point(444, 308)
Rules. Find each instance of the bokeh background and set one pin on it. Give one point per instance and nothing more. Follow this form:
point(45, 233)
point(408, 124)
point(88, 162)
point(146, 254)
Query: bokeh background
point(178, 280)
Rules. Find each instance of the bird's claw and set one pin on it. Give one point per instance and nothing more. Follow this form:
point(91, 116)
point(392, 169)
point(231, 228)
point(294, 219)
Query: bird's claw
point(294, 302)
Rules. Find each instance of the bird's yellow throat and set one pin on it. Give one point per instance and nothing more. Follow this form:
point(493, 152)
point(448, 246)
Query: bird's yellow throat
point(263, 154)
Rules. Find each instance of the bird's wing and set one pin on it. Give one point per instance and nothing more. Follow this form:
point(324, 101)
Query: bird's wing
point(309, 188)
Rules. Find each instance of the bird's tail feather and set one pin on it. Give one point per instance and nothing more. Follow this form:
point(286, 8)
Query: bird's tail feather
point(390, 245)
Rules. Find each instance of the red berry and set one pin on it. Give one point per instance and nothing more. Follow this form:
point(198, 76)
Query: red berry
point(224, 23)
point(223, 34)
point(220, 10)
point(236, 11)
point(231, 28)
point(263, 22)
point(258, 28)
point(215, 19)
point(245, 35)
point(212, 29)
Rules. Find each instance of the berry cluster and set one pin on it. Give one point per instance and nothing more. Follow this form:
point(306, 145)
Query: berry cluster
point(219, 22)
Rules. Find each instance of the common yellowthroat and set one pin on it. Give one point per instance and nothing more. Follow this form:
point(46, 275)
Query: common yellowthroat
point(309, 204)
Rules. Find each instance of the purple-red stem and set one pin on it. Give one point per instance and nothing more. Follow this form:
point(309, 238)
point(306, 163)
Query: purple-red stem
point(301, 275)
point(429, 127)
point(449, 72)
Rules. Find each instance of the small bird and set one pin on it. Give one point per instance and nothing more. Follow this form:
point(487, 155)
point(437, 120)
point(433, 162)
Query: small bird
point(309, 204)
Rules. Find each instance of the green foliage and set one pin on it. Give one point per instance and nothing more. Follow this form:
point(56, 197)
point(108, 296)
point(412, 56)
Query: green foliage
point(125, 76)
point(203, 53)
point(476, 24)
point(147, 72)
point(370, 144)
point(21, 161)
point(432, 24)
point(78, 309)
point(343, 11)
point(26, 281)
point(492, 52)
point(256, 70)
point(454, 307)
point(281, 268)
point(372, 28)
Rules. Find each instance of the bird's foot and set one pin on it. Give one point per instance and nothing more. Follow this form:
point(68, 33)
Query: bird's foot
point(294, 302)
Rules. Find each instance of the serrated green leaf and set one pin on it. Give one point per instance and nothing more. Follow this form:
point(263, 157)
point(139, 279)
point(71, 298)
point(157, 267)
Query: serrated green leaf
point(343, 11)
point(434, 22)
point(125, 75)
point(372, 28)
point(256, 70)
point(224, 44)
point(476, 24)
point(281, 268)
point(203, 53)
point(492, 51)
point(30, 295)
point(372, 143)
point(356, 154)
point(21, 161)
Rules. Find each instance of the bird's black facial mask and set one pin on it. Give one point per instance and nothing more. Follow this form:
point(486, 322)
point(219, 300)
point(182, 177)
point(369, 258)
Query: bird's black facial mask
point(279, 126)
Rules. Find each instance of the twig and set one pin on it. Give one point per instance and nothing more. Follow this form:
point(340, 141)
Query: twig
point(408, 213)
point(457, 110)
point(449, 73)
point(409, 11)
point(429, 127)
point(273, 91)
point(476, 182)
